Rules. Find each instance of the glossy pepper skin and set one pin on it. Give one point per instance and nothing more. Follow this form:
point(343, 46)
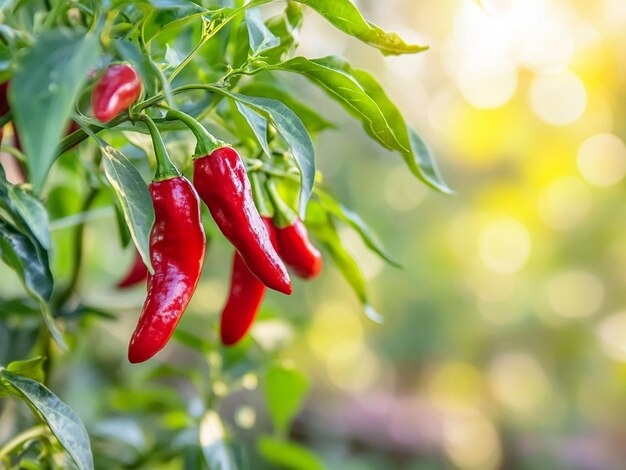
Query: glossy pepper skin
point(297, 251)
point(223, 184)
point(244, 298)
point(137, 273)
point(177, 246)
point(116, 90)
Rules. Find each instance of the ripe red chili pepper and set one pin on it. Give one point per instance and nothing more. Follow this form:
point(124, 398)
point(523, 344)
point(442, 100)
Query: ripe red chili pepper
point(137, 273)
point(220, 177)
point(294, 245)
point(116, 90)
point(177, 246)
point(297, 251)
point(246, 290)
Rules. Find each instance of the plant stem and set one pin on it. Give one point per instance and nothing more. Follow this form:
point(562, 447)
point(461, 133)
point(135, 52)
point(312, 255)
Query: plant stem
point(21, 438)
point(165, 168)
point(79, 235)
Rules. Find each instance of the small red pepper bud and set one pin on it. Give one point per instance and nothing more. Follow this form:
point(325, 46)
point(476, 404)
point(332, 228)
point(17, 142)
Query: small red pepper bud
point(116, 90)
point(294, 245)
point(297, 251)
point(137, 273)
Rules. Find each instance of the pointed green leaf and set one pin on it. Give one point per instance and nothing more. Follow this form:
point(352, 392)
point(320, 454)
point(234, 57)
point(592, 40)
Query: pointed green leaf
point(134, 198)
point(416, 154)
point(260, 37)
point(289, 125)
point(257, 123)
point(285, 390)
point(31, 368)
point(313, 121)
point(348, 93)
point(20, 254)
point(345, 16)
point(323, 228)
point(355, 221)
point(288, 455)
point(62, 420)
point(32, 212)
point(43, 91)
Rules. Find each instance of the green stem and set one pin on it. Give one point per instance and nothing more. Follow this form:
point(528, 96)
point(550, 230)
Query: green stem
point(284, 216)
point(78, 136)
point(79, 236)
point(206, 143)
point(17, 441)
point(212, 33)
point(261, 200)
point(165, 168)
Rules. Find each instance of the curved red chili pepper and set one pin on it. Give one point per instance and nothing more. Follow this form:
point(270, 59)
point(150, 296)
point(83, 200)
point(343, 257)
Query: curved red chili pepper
point(116, 90)
point(297, 251)
point(223, 185)
point(137, 273)
point(177, 245)
point(244, 299)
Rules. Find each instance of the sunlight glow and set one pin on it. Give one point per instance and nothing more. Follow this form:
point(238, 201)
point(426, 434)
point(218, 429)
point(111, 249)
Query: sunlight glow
point(565, 203)
point(504, 245)
point(602, 160)
point(575, 294)
point(558, 99)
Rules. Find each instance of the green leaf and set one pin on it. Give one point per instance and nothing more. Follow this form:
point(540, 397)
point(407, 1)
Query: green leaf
point(311, 119)
point(287, 455)
point(426, 165)
point(295, 134)
point(345, 16)
point(43, 91)
point(30, 368)
point(62, 420)
point(285, 390)
point(362, 96)
point(32, 212)
point(20, 254)
point(216, 451)
point(348, 92)
point(323, 228)
point(416, 154)
point(260, 37)
point(257, 123)
point(286, 27)
point(134, 197)
point(355, 221)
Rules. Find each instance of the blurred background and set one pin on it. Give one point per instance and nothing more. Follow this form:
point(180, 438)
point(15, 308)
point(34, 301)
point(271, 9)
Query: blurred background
point(504, 341)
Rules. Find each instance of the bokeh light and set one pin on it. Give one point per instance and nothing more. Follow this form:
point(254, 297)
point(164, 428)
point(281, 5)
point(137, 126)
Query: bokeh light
point(602, 159)
point(558, 99)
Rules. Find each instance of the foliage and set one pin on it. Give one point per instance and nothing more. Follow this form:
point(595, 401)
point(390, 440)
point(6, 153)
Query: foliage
point(216, 61)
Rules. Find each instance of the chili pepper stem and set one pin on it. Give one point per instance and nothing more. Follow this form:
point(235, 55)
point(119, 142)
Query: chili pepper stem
point(259, 194)
point(284, 216)
point(206, 143)
point(165, 168)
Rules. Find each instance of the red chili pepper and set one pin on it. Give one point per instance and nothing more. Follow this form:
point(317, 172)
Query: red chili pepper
point(220, 177)
point(137, 273)
point(297, 251)
point(177, 246)
point(116, 90)
point(244, 299)
point(294, 245)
